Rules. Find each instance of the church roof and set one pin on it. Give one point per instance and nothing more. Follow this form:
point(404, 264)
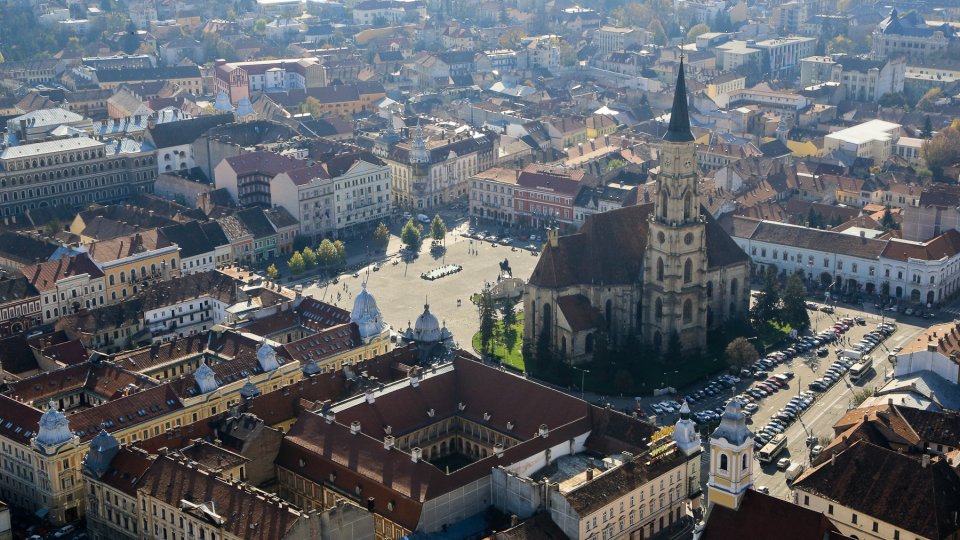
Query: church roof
point(609, 250)
point(679, 128)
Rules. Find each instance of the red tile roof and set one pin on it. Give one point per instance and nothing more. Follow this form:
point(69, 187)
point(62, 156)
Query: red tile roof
point(763, 517)
point(244, 514)
point(44, 276)
point(944, 246)
point(266, 163)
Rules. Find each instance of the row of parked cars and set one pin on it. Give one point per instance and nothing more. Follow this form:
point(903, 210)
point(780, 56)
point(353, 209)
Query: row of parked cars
point(871, 340)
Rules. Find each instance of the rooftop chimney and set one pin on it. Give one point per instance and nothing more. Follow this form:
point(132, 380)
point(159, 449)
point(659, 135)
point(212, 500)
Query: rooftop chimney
point(589, 474)
point(925, 461)
point(388, 442)
point(544, 431)
point(371, 398)
point(416, 454)
point(354, 427)
point(932, 347)
point(498, 449)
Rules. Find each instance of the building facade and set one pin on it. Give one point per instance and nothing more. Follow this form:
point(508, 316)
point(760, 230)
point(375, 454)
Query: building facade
point(73, 171)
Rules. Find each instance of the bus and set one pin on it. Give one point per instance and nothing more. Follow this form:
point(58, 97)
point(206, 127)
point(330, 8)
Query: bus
point(861, 368)
point(773, 448)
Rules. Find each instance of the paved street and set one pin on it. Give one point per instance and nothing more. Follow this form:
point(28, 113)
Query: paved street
point(401, 292)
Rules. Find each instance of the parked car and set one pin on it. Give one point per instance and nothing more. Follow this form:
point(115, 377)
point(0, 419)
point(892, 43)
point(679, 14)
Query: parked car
point(64, 531)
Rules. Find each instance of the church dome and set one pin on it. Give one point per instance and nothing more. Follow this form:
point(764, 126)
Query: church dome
point(249, 390)
point(427, 327)
point(102, 449)
point(733, 425)
point(54, 427)
point(267, 357)
point(206, 379)
point(245, 108)
point(366, 315)
point(222, 104)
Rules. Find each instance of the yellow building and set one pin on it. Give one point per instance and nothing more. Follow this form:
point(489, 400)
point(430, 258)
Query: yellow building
point(46, 447)
point(131, 261)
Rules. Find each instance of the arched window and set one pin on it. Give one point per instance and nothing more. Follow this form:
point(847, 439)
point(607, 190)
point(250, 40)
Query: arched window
point(563, 346)
point(660, 269)
point(657, 339)
point(588, 344)
point(688, 206)
point(658, 309)
point(111, 279)
point(687, 311)
point(733, 288)
point(609, 314)
point(688, 271)
point(709, 289)
point(744, 467)
point(663, 203)
point(723, 462)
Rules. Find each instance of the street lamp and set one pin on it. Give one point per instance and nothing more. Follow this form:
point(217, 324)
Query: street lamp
point(583, 378)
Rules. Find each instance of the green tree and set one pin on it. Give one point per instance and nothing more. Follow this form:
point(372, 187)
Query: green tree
point(296, 263)
point(260, 27)
point(438, 229)
point(313, 107)
point(927, 131)
point(410, 235)
point(942, 150)
point(381, 234)
point(764, 309)
point(740, 353)
point(887, 221)
point(511, 39)
point(488, 320)
point(659, 34)
point(615, 164)
point(309, 258)
point(696, 31)
point(794, 306)
point(272, 272)
point(840, 45)
point(892, 99)
point(928, 101)
point(508, 315)
point(53, 227)
point(326, 254)
point(130, 42)
point(341, 250)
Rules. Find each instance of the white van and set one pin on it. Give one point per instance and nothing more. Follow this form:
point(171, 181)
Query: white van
point(423, 218)
point(793, 471)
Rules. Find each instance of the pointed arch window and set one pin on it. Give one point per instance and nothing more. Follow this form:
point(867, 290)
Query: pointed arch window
point(660, 269)
point(658, 309)
point(687, 311)
point(688, 271)
point(663, 203)
point(724, 462)
point(688, 206)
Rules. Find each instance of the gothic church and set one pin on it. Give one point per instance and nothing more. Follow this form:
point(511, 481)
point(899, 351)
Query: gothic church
point(650, 271)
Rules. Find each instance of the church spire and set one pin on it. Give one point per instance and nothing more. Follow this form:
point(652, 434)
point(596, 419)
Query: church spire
point(679, 128)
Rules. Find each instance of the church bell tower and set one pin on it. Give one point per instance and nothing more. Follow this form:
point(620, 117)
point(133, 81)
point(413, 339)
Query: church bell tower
point(675, 264)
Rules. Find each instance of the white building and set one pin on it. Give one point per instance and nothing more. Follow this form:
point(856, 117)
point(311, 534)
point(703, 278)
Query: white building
point(67, 285)
point(862, 79)
point(874, 139)
point(491, 195)
point(188, 305)
point(911, 272)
